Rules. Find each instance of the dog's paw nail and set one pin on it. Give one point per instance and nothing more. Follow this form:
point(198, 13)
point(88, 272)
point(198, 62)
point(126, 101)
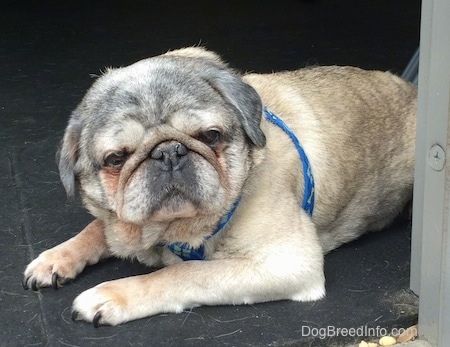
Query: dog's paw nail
point(25, 283)
point(96, 320)
point(34, 285)
point(74, 315)
point(55, 281)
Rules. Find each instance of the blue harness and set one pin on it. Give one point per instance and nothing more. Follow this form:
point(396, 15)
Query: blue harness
point(308, 196)
point(185, 252)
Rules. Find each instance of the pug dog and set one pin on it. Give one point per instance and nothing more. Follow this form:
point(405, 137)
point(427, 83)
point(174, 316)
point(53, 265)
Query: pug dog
point(237, 185)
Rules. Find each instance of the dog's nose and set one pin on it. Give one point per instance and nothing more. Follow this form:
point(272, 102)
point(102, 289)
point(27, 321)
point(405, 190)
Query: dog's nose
point(169, 155)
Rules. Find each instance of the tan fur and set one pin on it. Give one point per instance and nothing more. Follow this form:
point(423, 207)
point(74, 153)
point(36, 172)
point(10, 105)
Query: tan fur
point(357, 128)
point(70, 257)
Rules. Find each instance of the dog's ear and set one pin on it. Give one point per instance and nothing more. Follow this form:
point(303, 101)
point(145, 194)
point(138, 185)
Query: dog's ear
point(67, 155)
point(242, 97)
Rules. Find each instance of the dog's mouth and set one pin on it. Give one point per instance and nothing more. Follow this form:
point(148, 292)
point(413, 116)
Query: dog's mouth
point(175, 205)
point(154, 194)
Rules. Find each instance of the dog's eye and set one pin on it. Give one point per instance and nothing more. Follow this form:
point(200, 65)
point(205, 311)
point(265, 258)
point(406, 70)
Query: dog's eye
point(116, 159)
point(210, 137)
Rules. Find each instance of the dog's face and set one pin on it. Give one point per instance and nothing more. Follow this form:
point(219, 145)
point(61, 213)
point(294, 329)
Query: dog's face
point(165, 138)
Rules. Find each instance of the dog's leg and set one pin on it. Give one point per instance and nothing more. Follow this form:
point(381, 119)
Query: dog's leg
point(65, 261)
point(195, 283)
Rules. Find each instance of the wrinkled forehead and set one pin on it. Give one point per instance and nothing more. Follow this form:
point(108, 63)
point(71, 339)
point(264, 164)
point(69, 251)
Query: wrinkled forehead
point(152, 89)
point(124, 104)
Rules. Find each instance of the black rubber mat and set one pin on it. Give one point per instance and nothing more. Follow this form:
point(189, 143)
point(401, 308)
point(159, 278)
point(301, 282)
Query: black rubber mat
point(48, 49)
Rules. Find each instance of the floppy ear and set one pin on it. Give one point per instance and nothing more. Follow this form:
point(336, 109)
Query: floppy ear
point(240, 95)
point(67, 155)
point(243, 98)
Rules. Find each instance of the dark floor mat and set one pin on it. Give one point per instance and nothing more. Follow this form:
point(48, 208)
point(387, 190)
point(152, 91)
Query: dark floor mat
point(47, 51)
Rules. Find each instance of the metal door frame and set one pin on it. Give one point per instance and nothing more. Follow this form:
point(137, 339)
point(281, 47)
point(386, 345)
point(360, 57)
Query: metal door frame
point(430, 253)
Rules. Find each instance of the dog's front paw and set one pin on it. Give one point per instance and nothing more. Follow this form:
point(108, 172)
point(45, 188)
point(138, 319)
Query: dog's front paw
point(105, 304)
point(53, 268)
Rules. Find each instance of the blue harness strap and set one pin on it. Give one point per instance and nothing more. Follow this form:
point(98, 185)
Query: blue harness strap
point(185, 252)
point(308, 196)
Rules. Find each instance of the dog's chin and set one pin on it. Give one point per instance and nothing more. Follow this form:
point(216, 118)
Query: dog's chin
point(168, 212)
point(168, 209)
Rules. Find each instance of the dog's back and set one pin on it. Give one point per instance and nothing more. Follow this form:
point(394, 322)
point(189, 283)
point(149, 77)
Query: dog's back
point(358, 130)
